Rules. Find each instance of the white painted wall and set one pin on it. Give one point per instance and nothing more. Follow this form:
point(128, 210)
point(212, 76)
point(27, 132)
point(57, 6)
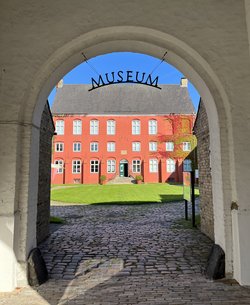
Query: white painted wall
point(43, 40)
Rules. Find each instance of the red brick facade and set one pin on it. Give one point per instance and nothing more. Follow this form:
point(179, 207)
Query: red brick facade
point(145, 153)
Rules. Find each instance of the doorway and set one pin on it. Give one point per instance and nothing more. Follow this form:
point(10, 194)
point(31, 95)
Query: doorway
point(123, 168)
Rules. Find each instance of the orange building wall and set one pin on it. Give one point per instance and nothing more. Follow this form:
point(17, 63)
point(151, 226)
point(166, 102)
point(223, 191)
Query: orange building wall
point(176, 128)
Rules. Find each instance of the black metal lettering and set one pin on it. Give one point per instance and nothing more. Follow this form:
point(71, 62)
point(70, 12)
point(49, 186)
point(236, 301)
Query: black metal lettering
point(120, 79)
point(129, 77)
point(136, 77)
point(140, 79)
point(98, 84)
point(151, 83)
point(113, 75)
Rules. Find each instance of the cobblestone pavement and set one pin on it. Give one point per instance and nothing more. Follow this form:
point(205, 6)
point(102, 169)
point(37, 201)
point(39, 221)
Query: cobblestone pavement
point(108, 255)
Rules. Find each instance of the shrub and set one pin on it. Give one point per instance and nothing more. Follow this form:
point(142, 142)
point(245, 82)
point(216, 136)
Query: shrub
point(138, 178)
point(103, 178)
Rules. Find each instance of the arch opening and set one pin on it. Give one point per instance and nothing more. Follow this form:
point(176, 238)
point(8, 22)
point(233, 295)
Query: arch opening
point(181, 56)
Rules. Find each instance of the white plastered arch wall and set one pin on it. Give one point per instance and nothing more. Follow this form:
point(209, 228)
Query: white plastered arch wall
point(133, 39)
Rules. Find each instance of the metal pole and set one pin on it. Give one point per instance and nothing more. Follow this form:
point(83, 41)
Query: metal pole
point(186, 209)
point(193, 197)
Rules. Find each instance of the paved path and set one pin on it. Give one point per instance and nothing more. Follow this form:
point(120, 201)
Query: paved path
point(110, 255)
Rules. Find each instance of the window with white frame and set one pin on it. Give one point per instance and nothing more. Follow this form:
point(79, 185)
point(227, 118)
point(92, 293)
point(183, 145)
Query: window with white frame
point(94, 127)
point(136, 146)
point(110, 127)
point(94, 146)
point(152, 146)
point(136, 166)
point(60, 127)
point(77, 127)
point(153, 165)
point(111, 166)
point(187, 165)
point(136, 127)
point(76, 166)
point(111, 146)
point(170, 165)
point(59, 166)
point(59, 147)
point(76, 146)
point(94, 166)
point(169, 146)
point(186, 146)
point(152, 127)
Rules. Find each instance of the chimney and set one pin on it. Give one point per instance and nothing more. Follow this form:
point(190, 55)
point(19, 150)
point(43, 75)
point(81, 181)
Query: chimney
point(59, 84)
point(184, 82)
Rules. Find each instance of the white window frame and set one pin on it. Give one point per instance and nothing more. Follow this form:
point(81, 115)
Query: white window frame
point(76, 166)
point(152, 127)
point(111, 166)
point(77, 127)
point(110, 146)
point(111, 124)
point(170, 165)
point(94, 146)
point(136, 127)
point(94, 127)
point(136, 166)
point(153, 146)
point(60, 169)
point(77, 146)
point(94, 166)
point(153, 165)
point(186, 146)
point(187, 165)
point(136, 146)
point(59, 147)
point(170, 146)
point(59, 127)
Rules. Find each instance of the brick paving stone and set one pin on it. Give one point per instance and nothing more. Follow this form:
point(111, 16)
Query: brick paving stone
point(127, 255)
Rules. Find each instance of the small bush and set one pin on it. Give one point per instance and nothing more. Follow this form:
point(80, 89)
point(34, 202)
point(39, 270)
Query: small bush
point(103, 178)
point(54, 219)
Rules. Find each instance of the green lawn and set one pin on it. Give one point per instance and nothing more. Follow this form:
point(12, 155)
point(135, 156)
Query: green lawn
point(122, 194)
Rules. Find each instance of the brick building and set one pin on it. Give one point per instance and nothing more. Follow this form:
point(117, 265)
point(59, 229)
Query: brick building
point(43, 201)
point(201, 130)
point(121, 130)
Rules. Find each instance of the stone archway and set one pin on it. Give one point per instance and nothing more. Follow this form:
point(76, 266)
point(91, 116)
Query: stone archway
point(48, 66)
point(136, 39)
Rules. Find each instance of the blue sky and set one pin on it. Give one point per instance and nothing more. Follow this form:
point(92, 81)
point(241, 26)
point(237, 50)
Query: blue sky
point(126, 61)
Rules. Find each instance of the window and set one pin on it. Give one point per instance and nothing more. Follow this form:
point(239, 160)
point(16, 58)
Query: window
point(152, 146)
point(94, 127)
point(94, 146)
point(169, 146)
point(111, 146)
point(111, 166)
point(76, 166)
point(136, 146)
point(76, 146)
point(136, 166)
point(60, 127)
point(187, 165)
point(59, 166)
point(186, 146)
point(136, 127)
point(170, 165)
point(153, 165)
point(111, 127)
point(94, 166)
point(59, 147)
point(77, 127)
point(152, 127)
